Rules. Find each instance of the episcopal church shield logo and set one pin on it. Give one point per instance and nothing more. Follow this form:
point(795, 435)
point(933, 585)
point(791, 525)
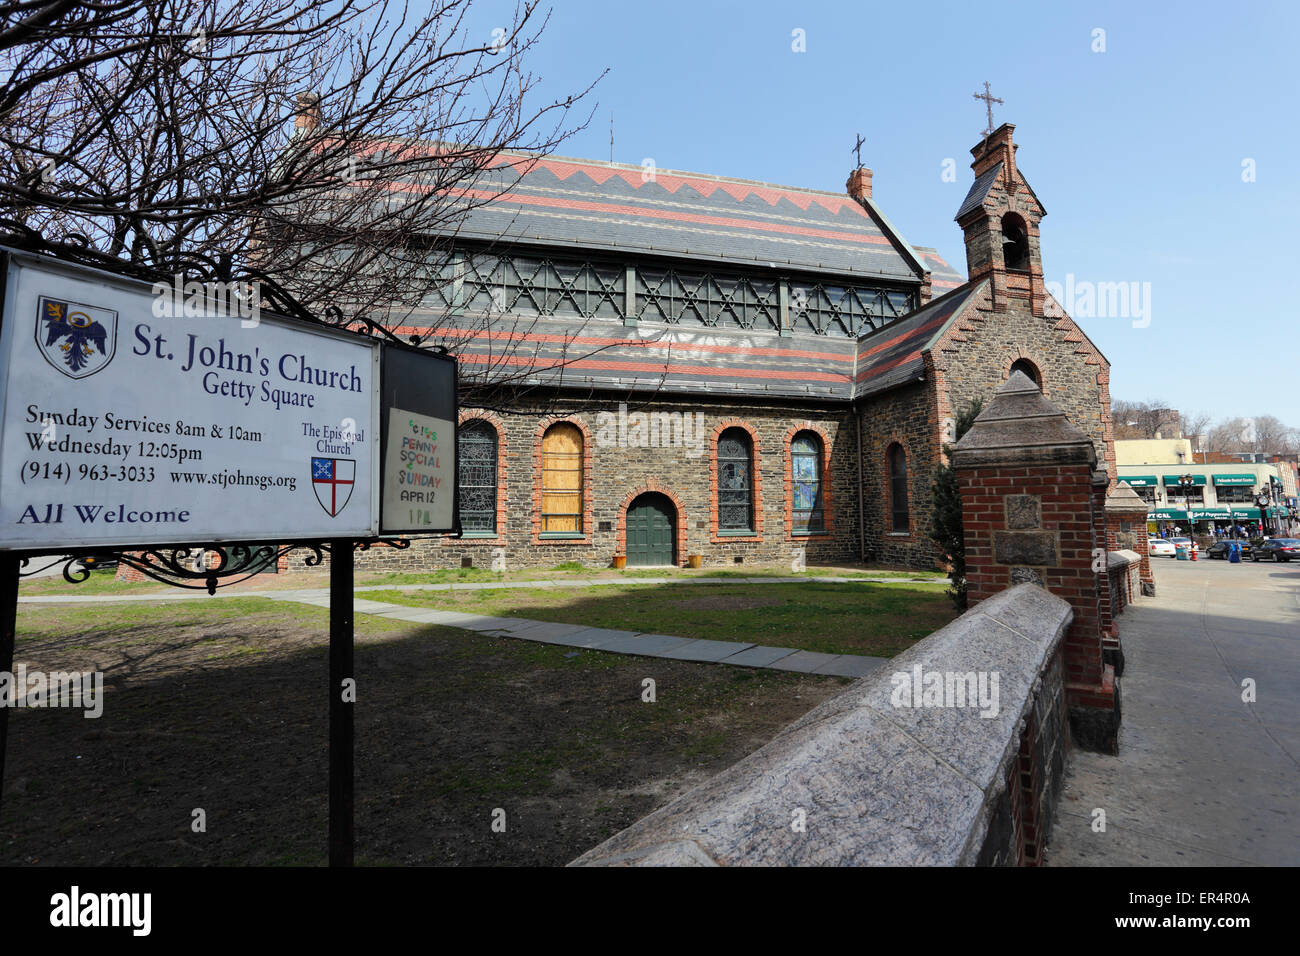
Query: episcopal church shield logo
point(77, 339)
point(333, 479)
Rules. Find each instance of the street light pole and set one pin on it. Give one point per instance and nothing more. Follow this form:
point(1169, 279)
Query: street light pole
point(1186, 482)
point(1262, 499)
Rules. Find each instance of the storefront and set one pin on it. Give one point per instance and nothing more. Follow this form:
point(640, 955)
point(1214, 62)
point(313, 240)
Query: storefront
point(1168, 520)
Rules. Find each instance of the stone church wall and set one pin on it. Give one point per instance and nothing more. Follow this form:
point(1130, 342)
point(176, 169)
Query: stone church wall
point(975, 357)
point(618, 470)
point(906, 416)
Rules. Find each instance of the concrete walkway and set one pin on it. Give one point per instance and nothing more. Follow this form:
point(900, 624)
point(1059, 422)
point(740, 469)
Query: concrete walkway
point(643, 644)
point(1202, 778)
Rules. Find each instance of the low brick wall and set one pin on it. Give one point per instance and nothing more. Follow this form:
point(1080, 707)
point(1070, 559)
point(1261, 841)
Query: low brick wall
point(868, 779)
point(1123, 568)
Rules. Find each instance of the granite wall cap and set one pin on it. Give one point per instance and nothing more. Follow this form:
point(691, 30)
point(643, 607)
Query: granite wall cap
point(1122, 558)
point(1021, 427)
point(877, 787)
point(1124, 498)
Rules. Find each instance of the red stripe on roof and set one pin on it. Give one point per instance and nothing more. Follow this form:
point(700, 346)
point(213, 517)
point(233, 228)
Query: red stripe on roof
point(885, 367)
point(672, 368)
point(942, 317)
point(637, 343)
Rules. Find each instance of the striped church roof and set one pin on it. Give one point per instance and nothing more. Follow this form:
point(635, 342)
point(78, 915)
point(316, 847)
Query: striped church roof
point(892, 355)
point(582, 203)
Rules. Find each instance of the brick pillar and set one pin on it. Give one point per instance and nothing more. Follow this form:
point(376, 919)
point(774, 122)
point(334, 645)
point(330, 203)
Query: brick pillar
point(1032, 511)
point(1126, 529)
point(1101, 576)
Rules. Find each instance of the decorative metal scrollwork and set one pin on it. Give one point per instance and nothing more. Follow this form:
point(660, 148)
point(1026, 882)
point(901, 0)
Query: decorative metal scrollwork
point(205, 567)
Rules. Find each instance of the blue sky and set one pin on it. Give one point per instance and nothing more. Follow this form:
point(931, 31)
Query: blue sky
point(1137, 152)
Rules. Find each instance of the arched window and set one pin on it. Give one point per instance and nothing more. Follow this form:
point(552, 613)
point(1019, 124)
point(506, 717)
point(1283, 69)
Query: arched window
point(735, 481)
point(898, 513)
point(1029, 368)
point(562, 480)
point(1015, 243)
point(806, 484)
point(476, 461)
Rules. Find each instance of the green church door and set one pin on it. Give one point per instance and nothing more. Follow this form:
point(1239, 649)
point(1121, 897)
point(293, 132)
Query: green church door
point(650, 520)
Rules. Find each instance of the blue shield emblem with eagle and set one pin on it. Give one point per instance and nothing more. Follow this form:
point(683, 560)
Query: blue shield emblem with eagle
point(75, 338)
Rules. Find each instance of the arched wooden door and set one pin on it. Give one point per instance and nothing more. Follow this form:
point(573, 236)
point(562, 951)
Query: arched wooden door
point(651, 537)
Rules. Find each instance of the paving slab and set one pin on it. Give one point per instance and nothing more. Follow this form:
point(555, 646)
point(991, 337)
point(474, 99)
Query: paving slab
point(646, 645)
point(804, 662)
point(548, 632)
point(431, 616)
point(594, 638)
point(850, 665)
point(758, 656)
point(710, 651)
point(371, 607)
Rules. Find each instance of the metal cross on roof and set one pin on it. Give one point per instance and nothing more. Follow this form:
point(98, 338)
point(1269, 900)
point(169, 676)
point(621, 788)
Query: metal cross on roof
point(857, 149)
point(989, 99)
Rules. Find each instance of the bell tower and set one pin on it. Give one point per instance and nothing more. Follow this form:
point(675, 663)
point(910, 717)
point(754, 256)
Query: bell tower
point(999, 219)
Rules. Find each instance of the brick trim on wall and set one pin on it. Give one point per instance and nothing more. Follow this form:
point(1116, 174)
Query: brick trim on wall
point(757, 475)
point(1020, 352)
point(588, 531)
point(472, 414)
point(827, 514)
point(651, 485)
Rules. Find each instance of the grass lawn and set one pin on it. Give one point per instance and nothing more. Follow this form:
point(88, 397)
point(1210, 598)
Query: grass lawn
point(876, 619)
point(103, 582)
point(221, 705)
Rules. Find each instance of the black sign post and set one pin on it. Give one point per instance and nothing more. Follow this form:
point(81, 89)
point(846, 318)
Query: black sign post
point(8, 626)
point(342, 687)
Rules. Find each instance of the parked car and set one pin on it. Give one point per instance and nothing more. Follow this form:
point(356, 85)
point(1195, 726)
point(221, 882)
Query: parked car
point(1220, 548)
point(1159, 546)
point(1279, 549)
point(97, 561)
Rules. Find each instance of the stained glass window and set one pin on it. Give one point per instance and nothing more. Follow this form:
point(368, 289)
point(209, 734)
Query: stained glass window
point(806, 483)
point(477, 466)
point(735, 481)
point(898, 489)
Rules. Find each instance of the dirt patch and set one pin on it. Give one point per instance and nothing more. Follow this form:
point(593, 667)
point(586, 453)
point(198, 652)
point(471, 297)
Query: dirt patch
point(729, 602)
point(221, 707)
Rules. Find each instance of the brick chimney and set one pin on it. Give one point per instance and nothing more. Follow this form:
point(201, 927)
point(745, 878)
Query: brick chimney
point(859, 184)
point(308, 115)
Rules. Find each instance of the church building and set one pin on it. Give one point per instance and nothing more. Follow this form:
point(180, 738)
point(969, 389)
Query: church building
point(657, 365)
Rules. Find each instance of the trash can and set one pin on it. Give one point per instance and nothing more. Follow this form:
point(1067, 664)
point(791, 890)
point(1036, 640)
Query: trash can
point(1234, 554)
point(1181, 553)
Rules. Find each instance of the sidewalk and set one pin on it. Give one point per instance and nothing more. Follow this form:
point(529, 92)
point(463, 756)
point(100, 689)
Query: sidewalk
point(1202, 778)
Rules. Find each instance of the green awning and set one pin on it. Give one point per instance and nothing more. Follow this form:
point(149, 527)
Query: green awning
point(1167, 514)
point(1242, 513)
point(1172, 480)
point(1234, 480)
point(1211, 514)
point(1140, 481)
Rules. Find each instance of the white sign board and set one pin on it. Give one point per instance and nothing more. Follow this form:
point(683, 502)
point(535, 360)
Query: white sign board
point(122, 423)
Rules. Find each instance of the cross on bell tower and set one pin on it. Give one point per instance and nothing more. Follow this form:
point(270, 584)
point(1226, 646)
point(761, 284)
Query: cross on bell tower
point(857, 150)
point(989, 99)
